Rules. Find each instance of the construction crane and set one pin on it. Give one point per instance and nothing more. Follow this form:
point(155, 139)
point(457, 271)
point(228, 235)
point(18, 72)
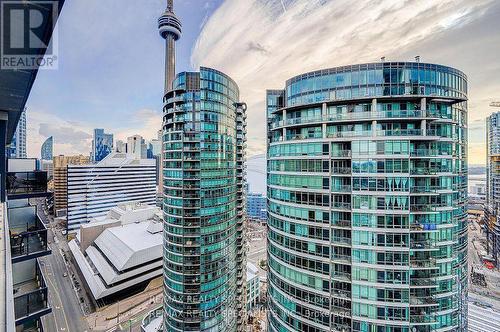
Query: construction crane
point(495, 104)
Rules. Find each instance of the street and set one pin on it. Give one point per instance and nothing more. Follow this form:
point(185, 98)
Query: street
point(66, 309)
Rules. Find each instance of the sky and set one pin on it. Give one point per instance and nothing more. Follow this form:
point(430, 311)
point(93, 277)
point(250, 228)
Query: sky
point(111, 58)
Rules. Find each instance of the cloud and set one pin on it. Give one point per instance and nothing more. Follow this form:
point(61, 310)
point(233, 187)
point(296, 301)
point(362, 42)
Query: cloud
point(72, 137)
point(261, 45)
point(69, 137)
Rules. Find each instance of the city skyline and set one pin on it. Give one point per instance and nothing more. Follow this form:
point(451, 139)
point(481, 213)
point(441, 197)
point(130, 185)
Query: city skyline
point(464, 33)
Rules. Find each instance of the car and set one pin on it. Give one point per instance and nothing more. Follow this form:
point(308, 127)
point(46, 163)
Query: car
point(65, 274)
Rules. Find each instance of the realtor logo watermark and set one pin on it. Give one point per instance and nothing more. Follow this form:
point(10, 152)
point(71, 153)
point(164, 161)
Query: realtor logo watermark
point(23, 39)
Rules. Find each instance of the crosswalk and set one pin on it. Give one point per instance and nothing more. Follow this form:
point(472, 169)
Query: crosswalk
point(483, 319)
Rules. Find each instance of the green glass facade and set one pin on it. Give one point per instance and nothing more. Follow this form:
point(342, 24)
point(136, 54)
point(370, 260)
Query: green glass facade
point(367, 192)
point(203, 182)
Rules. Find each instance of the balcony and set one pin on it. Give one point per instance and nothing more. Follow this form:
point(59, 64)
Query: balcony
point(28, 235)
point(26, 184)
point(30, 292)
point(153, 320)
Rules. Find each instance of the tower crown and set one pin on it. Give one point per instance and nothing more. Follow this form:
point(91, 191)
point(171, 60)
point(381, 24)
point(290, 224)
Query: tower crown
point(169, 24)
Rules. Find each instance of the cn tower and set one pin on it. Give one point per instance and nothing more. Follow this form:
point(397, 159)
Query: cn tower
point(170, 30)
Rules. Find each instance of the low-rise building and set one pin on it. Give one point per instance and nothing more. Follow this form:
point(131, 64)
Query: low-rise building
point(120, 251)
point(253, 286)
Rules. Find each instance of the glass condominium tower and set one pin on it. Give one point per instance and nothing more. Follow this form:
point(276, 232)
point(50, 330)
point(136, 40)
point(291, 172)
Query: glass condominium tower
point(204, 126)
point(367, 192)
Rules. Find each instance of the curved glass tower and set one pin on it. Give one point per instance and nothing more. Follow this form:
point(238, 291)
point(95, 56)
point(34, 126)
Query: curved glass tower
point(47, 149)
point(204, 181)
point(367, 191)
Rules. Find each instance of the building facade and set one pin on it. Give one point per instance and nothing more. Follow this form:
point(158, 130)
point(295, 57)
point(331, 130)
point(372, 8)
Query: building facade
point(253, 286)
point(367, 193)
point(47, 150)
point(61, 177)
point(47, 166)
point(492, 207)
point(121, 252)
point(17, 147)
point(204, 204)
point(92, 190)
point(102, 145)
point(120, 146)
point(24, 295)
point(256, 206)
point(136, 146)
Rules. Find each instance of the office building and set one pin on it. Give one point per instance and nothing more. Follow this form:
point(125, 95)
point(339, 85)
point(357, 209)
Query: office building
point(61, 177)
point(367, 196)
point(256, 206)
point(121, 252)
point(136, 147)
point(47, 150)
point(17, 147)
point(102, 145)
point(94, 189)
point(23, 237)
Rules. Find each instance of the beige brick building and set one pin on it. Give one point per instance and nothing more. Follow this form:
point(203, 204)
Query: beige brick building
point(60, 177)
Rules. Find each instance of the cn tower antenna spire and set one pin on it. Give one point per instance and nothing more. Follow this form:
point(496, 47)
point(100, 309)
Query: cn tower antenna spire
point(170, 28)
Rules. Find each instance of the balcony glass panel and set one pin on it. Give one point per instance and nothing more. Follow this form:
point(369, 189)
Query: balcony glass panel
point(22, 183)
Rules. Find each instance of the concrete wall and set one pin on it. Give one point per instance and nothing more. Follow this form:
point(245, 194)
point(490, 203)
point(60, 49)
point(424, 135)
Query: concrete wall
point(88, 233)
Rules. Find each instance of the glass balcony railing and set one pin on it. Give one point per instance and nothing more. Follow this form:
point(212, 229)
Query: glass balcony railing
point(30, 294)
point(28, 235)
point(353, 116)
point(26, 184)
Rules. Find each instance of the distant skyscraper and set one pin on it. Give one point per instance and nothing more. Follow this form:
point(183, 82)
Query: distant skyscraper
point(367, 200)
point(492, 209)
point(136, 146)
point(155, 147)
point(102, 145)
point(256, 206)
point(120, 146)
point(17, 147)
point(119, 178)
point(47, 150)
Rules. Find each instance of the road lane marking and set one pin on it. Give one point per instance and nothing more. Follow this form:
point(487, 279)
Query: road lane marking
point(60, 301)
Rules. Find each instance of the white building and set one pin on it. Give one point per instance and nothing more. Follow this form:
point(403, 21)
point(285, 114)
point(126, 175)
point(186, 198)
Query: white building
point(94, 189)
point(121, 250)
point(253, 286)
point(137, 147)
